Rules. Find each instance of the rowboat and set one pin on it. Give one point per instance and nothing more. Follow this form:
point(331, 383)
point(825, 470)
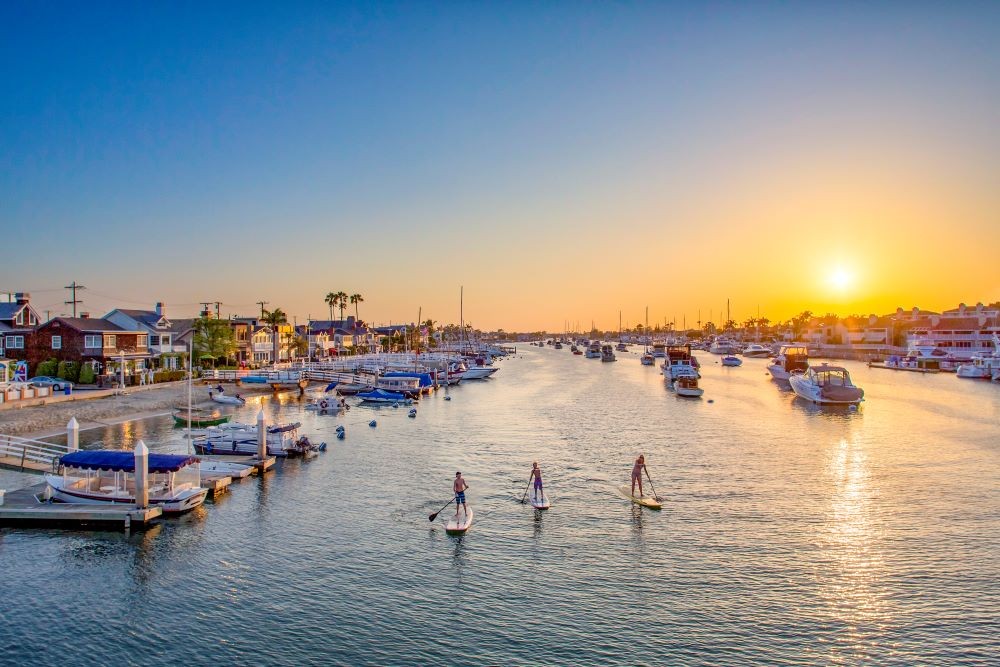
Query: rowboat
point(539, 503)
point(456, 526)
point(645, 501)
point(199, 418)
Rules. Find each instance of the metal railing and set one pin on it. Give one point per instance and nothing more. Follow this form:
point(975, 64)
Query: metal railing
point(25, 452)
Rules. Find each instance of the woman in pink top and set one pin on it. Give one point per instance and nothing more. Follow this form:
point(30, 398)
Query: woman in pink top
point(640, 465)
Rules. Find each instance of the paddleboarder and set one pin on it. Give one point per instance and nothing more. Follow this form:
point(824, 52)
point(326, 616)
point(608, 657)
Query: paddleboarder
point(640, 464)
point(460, 486)
point(536, 474)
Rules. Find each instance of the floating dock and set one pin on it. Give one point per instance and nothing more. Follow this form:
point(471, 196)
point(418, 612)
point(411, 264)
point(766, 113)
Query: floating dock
point(28, 507)
point(259, 466)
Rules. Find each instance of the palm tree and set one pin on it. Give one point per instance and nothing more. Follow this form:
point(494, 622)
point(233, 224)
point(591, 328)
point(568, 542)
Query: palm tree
point(356, 299)
point(342, 303)
point(273, 318)
point(331, 300)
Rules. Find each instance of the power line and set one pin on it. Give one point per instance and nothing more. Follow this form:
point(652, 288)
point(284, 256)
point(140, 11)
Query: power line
point(262, 304)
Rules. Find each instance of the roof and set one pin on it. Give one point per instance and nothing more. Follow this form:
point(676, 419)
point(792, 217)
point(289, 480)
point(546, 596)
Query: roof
point(150, 318)
point(9, 311)
point(88, 324)
point(104, 459)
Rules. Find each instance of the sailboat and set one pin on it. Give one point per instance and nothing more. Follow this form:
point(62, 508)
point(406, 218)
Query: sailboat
point(621, 347)
point(646, 359)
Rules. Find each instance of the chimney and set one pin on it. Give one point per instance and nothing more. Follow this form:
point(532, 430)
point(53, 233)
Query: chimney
point(915, 312)
point(160, 310)
point(22, 298)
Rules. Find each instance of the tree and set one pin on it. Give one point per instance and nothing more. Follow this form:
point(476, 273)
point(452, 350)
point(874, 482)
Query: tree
point(275, 318)
point(356, 299)
point(301, 345)
point(213, 339)
point(332, 299)
point(341, 303)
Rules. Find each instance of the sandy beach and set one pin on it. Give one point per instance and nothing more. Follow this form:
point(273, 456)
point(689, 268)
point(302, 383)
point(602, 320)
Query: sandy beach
point(136, 403)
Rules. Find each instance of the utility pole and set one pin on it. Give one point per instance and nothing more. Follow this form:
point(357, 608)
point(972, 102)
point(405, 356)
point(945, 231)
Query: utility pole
point(204, 307)
point(262, 304)
point(217, 304)
point(73, 287)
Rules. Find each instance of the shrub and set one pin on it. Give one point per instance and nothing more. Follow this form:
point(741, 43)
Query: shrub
point(168, 376)
point(47, 368)
point(87, 375)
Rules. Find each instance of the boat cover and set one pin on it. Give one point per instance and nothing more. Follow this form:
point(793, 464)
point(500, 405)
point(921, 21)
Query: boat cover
point(282, 428)
point(843, 394)
point(381, 393)
point(124, 461)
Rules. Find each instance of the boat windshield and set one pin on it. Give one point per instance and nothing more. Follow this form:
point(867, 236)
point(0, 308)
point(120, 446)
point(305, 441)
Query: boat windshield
point(832, 378)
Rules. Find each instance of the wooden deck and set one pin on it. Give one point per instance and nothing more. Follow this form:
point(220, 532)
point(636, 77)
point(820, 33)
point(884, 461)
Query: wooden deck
point(258, 465)
point(23, 507)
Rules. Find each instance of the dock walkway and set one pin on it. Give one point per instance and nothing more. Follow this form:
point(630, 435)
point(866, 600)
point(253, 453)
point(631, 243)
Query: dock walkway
point(28, 507)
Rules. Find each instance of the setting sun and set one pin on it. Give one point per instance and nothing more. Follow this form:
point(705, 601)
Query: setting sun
point(840, 278)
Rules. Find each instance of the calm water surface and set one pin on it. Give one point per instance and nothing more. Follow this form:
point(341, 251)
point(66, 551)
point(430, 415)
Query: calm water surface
point(791, 534)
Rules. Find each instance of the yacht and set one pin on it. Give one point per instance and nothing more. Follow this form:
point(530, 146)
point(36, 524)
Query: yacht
point(594, 351)
point(791, 359)
point(756, 350)
point(647, 359)
point(679, 363)
point(722, 346)
point(688, 387)
point(659, 350)
point(607, 354)
point(983, 365)
point(826, 385)
point(99, 476)
point(731, 360)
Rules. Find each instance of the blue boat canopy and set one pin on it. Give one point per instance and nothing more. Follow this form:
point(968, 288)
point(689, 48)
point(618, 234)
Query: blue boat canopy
point(124, 461)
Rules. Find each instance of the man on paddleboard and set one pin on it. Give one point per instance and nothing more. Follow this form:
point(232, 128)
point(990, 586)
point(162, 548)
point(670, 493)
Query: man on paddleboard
point(460, 486)
point(640, 463)
point(536, 474)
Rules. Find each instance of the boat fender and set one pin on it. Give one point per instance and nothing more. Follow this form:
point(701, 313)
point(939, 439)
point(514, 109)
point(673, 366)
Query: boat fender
point(324, 404)
point(322, 446)
point(447, 398)
point(340, 435)
point(711, 400)
point(372, 423)
point(396, 404)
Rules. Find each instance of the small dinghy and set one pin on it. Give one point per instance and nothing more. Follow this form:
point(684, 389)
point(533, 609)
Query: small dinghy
point(460, 524)
point(225, 399)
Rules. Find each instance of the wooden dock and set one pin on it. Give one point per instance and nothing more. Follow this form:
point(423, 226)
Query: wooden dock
point(26, 507)
point(258, 465)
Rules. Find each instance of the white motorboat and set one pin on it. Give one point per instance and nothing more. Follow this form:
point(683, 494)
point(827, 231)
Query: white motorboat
point(659, 350)
point(791, 359)
point(607, 354)
point(226, 399)
point(688, 387)
point(237, 438)
point(756, 351)
point(679, 363)
point(647, 359)
point(826, 385)
point(478, 372)
point(406, 385)
point(593, 351)
point(722, 346)
point(327, 406)
point(730, 360)
point(102, 476)
point(982, 366)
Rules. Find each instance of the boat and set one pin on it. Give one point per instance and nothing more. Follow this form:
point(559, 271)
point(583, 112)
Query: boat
point(456, 526)
point(983, 365)
point(381, 396)
point(226, 399)
point(237, 438)
point(647, 359)
point(731, 360)
point(688, 387)
point(659, 350)
point(621, 347)
point(327, 406)
point(679, 363)
point(199, 418)
point(407, 385)
point(722, 346)
point(104, 476)
point(594, 350)
point(558, 345)
point(826, 385)
point(756, 351)
point(645, 501)
point(539, 502)
point(912, 364)
point(791, 359)
point(607, 354)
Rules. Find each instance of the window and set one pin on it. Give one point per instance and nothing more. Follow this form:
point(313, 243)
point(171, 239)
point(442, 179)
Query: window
point(92, 341)
point(109, 340)
point(57, 342)
point(141, 340)
point(15, 342)
point(154, 340)
point(165, 341)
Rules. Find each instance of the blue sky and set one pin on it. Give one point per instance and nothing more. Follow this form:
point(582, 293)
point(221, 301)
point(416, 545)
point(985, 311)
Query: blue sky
point(188, 151)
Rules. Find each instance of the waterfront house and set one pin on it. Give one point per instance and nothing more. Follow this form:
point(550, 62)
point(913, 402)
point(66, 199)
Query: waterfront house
point(17, 322)
point(329, 338)
point(168, 338)
point(97, 341)
point(261, 345)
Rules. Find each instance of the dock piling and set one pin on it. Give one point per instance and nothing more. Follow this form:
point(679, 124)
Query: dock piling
point(72, 435)
point(141, 475)
point(261, 436)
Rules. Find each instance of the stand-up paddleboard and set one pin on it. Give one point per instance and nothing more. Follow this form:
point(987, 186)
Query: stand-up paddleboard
point(461, 524)
point(539, 502)
point(645, 501)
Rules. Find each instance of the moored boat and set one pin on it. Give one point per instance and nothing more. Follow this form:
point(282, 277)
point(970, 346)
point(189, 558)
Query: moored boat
point(607, 354)
point(791, 359)
point(103, 476)
point(688, 387)
point(199, 418)
point(826, 385)
point(381, 396)
point(730, 360)
point(756, 350)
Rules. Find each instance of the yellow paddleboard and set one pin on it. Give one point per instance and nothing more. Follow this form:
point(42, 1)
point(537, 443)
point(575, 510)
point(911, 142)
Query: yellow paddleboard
point(645, 501)
point(457, 526)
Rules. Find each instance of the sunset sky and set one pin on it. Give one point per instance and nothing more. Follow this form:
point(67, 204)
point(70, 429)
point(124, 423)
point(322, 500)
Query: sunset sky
point(562, 161)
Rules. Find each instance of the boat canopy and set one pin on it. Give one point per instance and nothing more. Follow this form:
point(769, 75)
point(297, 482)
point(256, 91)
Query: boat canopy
point(124, 461)
point(425, 378)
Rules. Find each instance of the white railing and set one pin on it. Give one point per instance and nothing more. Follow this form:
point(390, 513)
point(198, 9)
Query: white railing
point(21, 451)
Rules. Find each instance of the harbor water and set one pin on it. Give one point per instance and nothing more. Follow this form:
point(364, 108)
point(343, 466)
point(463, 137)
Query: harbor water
point(790, 533)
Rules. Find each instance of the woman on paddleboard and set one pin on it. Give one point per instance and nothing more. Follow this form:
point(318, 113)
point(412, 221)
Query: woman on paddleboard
point(536, 474)
point(640, 463)
point(460, 486)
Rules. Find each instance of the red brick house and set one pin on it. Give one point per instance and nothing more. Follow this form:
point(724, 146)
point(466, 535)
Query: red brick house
point(17, 322)
point(97, 341)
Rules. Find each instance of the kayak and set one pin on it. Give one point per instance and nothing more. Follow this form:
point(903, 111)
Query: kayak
point(539, 503)
point(461, 525)
point(645, 501)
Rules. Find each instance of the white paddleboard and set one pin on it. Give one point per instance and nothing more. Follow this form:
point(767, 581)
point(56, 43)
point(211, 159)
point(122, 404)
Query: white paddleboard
point(539, 503)
point(460, 525)
point(645, 501)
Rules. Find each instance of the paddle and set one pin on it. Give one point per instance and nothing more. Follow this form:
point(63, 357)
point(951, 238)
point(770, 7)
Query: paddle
point(435, 515)
point(526, 491)
point(651, 487)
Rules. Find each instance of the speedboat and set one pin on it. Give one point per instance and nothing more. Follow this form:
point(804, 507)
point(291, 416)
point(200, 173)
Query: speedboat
point(594, 351)
point(607, 354)
point(477, 372)
point(226, 399)
point(100, 476)
point(647, 359)
point(621, 347)
point(659, 350)
point(237, 438)
point(825, 384)
point(688, 387)
point(756, 350)
point(327, 406)
point(791, 359)
point(722, 346)
point(730, 360)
